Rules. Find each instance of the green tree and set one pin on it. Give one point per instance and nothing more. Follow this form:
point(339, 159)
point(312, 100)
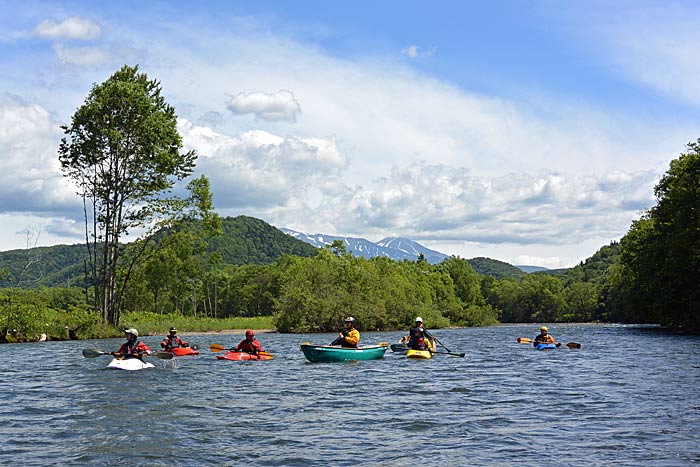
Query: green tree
point(581, 300)
point(338, 248)
point(122, 150)
point(661, 252)
point(465, 279)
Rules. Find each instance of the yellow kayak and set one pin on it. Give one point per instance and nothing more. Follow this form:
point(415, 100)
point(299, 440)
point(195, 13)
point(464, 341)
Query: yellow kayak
point(422, 354)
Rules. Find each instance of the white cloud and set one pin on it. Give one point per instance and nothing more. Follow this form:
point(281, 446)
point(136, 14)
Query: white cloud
point(260, 170)
point(414, 51)
point(280, 105)
point(74, 27)
point(495, 172)
point(81, 56)
point(298, 183)
point(30, 179)
point(382, 149)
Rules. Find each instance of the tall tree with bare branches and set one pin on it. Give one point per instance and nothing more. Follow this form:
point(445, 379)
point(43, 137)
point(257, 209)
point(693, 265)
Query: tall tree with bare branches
point(123, 152)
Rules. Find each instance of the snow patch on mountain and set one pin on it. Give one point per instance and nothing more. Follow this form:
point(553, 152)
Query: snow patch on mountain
point(396, 248)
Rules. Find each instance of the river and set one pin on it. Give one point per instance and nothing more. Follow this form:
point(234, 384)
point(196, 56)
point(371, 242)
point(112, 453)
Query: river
point(629, 397)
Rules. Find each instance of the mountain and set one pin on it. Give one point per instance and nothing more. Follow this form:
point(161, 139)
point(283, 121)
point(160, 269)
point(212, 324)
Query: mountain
point(595, 269)
point(396, 248)
point(496, 269)
point(530, 269)
point(59, 265)
point(411, 248)
point(245, 240)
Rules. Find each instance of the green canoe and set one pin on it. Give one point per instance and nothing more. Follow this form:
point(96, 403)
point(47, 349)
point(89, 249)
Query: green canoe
point(334, 353)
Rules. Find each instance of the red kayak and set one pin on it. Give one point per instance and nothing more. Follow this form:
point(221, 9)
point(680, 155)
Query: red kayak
point(181, 351)
point(244, 356)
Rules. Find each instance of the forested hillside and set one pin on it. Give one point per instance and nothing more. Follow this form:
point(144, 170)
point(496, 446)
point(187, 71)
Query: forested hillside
point(245, 240)
point(496, 269)
point(59, 265)
point(595, 268)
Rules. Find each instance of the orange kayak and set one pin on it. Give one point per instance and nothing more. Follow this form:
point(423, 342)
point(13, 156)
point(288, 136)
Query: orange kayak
point(244, 356)
point(180, 351)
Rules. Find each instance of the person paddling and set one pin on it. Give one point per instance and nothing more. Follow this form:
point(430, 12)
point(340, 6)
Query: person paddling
point(418, 337)
point(172, 340)
point(132, 347)
point(544, 338)
point(350, 336)
point(249, 345)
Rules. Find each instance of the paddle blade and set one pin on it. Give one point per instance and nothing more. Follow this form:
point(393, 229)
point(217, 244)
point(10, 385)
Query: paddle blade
point(217, 348)
point(92, 353)
point(573, 345)
point(454, 354)
point(523, 340)
point(162, 355)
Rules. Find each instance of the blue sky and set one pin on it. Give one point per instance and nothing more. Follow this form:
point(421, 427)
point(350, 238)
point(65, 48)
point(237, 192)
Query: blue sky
point(529, 132)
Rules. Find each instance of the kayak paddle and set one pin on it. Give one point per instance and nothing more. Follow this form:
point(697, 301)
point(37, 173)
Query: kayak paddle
point(92, 353)
point(449, 352)
point(217, 347)
point(571, 345)
point(454, 354)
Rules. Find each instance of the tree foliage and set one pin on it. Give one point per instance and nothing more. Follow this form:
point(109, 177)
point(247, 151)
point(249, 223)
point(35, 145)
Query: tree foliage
point(122, 151)
point(317, 293)
point(661, 252)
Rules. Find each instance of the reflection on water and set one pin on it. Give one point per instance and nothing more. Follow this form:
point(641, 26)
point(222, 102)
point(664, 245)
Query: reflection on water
point(629, 397)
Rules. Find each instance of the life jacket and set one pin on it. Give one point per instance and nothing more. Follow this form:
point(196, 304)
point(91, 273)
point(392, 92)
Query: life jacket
point(129, 348)
point(350, 338)
point(168, 342)
point(417, 340)
point(249, 346)
point(548, 339)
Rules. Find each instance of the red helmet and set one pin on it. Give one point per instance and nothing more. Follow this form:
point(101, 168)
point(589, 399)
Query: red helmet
point(249, 333)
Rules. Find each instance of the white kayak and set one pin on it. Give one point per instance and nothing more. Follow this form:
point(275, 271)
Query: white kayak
point(129, 364)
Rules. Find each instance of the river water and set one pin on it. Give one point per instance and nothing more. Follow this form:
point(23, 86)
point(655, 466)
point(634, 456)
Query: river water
point(629, 397)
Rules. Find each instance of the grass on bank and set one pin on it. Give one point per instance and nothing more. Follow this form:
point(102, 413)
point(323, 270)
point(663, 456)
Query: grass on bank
point(32, 323)
point(157, 324)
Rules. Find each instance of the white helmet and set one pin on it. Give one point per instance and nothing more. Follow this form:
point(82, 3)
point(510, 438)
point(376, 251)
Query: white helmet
point(131, 331)
point(419, 319)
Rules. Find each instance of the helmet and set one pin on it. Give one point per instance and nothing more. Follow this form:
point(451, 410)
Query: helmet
point(173, 329)
point(249, 333)
point(132, 331)
point(544, 328)
point(349, 319)
point(419, 319)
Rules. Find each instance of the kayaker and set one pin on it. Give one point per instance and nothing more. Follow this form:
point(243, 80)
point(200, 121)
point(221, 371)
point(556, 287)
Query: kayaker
point(418, 336)
point(249, 345)
point(172, 340)
point(132, 347)
point(350, 336)
point(544, 338)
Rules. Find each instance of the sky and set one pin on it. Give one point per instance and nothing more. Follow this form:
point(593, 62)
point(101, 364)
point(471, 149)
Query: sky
point(531, 132)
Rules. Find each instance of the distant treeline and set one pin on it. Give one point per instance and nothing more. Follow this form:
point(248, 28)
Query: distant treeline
point(314, 294)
